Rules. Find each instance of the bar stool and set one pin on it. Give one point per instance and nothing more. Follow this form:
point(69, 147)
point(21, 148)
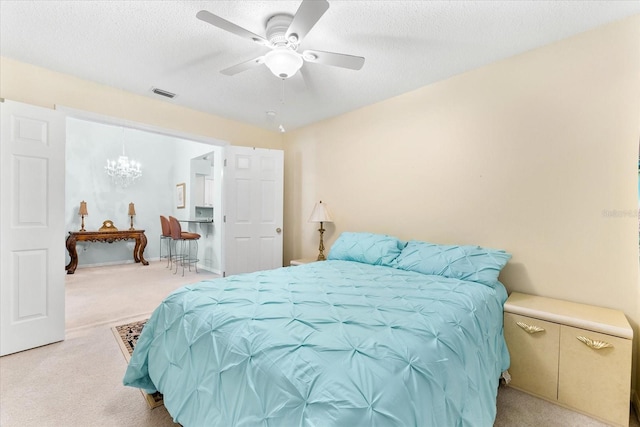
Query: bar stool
point(165, 237)
point(187, 239)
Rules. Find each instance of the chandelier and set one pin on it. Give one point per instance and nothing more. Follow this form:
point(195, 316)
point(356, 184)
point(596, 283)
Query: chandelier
point(124, 171)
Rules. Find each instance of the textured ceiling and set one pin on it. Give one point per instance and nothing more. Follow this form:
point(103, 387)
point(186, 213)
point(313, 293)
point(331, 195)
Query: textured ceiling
point(138, 45)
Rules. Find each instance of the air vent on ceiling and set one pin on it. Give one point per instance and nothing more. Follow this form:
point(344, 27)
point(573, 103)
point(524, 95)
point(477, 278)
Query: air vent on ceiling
point(163, 92)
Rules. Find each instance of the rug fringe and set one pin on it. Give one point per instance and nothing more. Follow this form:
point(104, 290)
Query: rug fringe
point(153, 400)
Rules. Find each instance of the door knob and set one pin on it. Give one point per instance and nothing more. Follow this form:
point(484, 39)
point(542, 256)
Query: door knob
point(278, 230)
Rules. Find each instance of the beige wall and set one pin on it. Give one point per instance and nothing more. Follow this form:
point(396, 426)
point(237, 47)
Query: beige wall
point(38, 86)
point(535, 155)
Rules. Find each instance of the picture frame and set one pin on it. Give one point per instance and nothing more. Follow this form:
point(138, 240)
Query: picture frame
point(180, 195)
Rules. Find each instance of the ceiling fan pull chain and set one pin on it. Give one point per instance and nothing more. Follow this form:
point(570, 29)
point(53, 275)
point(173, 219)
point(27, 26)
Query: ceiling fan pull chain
point(282, 93)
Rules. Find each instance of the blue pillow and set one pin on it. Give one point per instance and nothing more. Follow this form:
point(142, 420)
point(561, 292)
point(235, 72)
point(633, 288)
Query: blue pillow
point(368, 248)
point(472, 263)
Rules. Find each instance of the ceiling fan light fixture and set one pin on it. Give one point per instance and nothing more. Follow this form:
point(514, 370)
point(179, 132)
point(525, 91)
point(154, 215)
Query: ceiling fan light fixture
point(283, 62)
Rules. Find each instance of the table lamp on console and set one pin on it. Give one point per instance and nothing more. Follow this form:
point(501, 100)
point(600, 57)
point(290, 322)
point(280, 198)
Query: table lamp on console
point(132, 213)
point(321, 214)
point(83, 212)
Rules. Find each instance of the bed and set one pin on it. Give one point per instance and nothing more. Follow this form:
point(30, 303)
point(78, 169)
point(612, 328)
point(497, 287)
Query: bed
point(383, 333)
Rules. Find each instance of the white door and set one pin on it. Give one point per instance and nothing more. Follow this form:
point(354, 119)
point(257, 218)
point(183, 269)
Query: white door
point(32, 249)
point(253, 186)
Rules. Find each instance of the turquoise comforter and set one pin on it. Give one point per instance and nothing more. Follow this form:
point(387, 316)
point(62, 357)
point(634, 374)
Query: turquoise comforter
point(334, 343)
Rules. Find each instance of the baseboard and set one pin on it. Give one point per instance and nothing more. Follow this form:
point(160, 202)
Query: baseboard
point(106, 264)
point(130, 261)
point(635, 401)
point(209, 269)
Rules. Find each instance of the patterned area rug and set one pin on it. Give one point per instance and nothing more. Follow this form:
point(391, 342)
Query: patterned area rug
point(127, 337)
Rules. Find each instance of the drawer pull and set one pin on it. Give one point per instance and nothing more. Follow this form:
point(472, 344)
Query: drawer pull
point(594, 344)
point(531, 329)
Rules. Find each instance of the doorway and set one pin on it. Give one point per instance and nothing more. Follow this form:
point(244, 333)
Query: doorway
point(165, 163)
point(111, 201)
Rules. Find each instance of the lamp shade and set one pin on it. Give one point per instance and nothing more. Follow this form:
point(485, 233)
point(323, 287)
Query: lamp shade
point(320, 213)
point(283, 62)
point(83, 208)
point(132, 209)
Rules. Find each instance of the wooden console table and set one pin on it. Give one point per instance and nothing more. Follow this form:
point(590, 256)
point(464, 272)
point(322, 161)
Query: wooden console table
point(107, 237)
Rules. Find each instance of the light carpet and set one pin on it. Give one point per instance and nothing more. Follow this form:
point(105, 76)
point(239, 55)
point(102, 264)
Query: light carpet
point(100, 295)
point(78, 382)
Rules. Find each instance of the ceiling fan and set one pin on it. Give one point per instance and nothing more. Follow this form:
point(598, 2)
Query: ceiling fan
point(284, 33)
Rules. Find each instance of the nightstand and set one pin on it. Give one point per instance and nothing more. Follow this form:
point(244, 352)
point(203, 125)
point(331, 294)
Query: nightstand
point(576, 355)
point(302, 261)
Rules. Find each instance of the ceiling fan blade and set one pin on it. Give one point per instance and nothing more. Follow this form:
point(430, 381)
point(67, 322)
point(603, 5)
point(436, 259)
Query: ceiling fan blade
point(243, 66)
point(223, 24)
point(335, 59)
point(309, 12)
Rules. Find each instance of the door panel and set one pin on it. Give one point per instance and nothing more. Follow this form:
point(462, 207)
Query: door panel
point(254, 203)
point(32, 286)
point(242, 190)
point(30, 202)
point(31, 227)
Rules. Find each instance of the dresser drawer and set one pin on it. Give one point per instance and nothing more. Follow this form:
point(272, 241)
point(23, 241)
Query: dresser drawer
point(534, 355)
point(595, 381)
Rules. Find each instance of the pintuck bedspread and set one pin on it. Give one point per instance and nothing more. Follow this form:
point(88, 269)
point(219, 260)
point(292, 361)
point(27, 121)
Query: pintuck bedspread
point(334, 343)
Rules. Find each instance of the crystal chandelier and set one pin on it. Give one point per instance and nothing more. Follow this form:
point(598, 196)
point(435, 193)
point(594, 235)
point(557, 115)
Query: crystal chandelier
point(124, 171)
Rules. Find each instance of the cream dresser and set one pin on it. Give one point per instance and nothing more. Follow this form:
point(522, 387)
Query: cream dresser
point(576, 355)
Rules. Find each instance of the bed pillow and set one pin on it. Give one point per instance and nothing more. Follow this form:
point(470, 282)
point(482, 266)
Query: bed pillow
point(368, 248)
point(473, 263)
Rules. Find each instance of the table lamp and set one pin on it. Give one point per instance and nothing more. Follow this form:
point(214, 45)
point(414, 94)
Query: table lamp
point(132, 213)
point(320, 214)
point(83, 212)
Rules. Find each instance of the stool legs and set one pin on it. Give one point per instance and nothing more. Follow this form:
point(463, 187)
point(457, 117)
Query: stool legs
point(176, 255)
point(167, 242)
point(184, 256)
point(191, 260)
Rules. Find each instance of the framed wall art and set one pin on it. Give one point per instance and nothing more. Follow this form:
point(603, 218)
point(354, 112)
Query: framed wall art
point(180, 195)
